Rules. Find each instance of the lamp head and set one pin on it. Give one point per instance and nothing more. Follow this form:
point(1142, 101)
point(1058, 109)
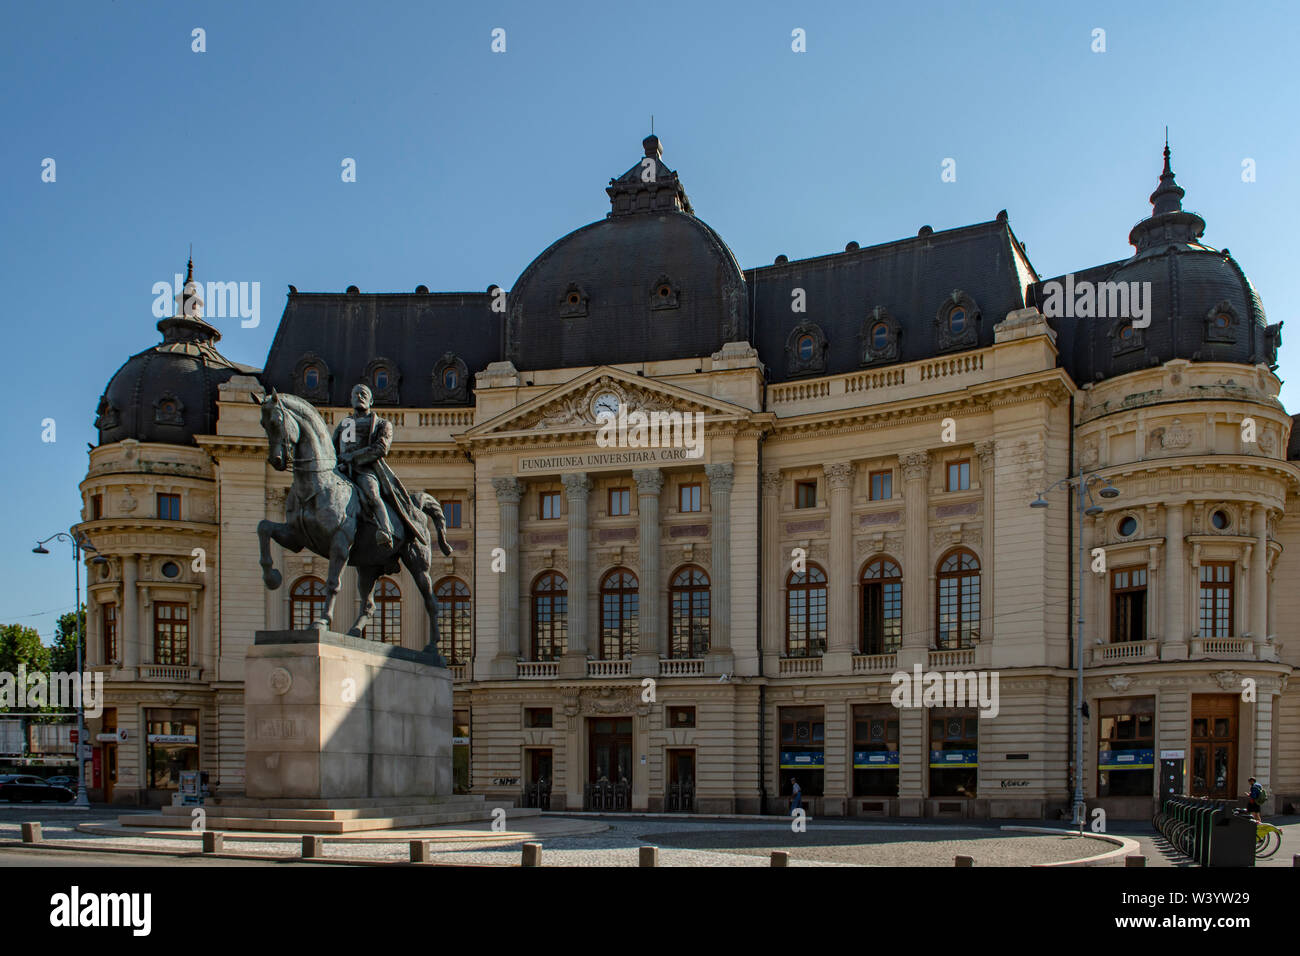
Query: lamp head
point(1092, 510)
point(1110, 491)
point(40, 549)
point(1039, 502)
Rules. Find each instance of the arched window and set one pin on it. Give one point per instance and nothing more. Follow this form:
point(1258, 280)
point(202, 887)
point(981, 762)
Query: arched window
point(550, 598)
point(453, 620)
point(380, 379)
point(882, 607)
point(450, 380)
point(957, 320)
point(879, 336)
point(311, 377)
point(958, 605)
point(619, 615)
point(805, 613)
point(306, 602)
point(386, 625)
point(806, 347)
point(688, 613)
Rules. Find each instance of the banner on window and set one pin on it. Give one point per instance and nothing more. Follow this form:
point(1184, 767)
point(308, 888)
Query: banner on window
point(801, 760)
point(875, 760)
point(1126, 760)
point(954, 758)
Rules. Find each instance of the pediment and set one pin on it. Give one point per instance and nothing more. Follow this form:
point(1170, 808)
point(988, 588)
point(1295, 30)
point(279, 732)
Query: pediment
point(568, 407)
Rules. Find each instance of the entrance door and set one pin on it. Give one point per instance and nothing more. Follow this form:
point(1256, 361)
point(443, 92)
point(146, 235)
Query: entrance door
point(1214, 746)
point(108, 769)
point(537, 784)
point(609, 785)
point(681, 781)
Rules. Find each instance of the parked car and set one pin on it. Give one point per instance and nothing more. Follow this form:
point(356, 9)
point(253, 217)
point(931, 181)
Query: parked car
point(15, 787)
point(61, 780)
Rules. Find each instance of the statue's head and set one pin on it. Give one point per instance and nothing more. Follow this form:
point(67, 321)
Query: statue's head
point(361, 398)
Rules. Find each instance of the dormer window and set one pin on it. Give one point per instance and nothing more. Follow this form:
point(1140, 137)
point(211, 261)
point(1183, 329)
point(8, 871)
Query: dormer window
point(1221, 323)
point(573, 302)
point(450, 380)
point(1125, 338)
point(806, 347)
point(805, 350)
point(380, 379)
point(879, 336)
point(957, 321)
point(574, 298)
point(663, 294)
point(385, 380)
point(311, 377)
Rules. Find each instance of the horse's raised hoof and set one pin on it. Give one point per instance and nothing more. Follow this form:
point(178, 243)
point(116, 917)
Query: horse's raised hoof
point(354, 631)
point(272, 579)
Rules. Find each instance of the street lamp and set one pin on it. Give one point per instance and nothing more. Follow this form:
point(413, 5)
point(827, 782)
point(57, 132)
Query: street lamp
point(79, 543)
point(1092, 509)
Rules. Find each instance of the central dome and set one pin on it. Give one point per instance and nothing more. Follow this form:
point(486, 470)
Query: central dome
point(649, 282)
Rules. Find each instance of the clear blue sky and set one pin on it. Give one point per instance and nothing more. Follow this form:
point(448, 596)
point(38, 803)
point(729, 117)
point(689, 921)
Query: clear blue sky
point(469, 163)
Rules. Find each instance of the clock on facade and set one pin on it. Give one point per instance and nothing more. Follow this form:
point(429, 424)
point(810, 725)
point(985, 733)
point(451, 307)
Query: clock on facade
point(605, 403)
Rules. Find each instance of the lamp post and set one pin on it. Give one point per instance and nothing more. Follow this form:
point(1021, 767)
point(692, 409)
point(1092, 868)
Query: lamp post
point(79, 543)
point(1081, 483)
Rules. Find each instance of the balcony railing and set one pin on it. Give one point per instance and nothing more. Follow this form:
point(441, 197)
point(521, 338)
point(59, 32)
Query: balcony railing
point(169, 672)
point(537, 670)
point(799, 665)
point(621, 668)
point(681, 667)
point(457, 672)
point(874, 663)
point(958, 657)
point(1125, 651)
point(1235, 648)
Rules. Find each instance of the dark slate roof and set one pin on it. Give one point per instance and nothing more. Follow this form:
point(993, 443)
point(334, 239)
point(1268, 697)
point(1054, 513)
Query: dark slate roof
point(1190, 284)
point(912, 279)
point(345, 333)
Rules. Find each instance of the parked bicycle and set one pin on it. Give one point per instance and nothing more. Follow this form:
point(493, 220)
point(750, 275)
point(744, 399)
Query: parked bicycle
point(1268, 838)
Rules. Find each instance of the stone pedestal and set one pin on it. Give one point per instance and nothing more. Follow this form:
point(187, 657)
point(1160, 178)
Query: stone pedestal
point(329, 716)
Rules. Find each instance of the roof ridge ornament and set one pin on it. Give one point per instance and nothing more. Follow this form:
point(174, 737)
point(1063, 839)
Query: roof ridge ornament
point(649, 186)
point(1169, 223)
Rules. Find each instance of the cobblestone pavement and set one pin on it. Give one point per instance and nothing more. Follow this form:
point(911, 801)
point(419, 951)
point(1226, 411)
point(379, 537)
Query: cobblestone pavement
point(700, 843)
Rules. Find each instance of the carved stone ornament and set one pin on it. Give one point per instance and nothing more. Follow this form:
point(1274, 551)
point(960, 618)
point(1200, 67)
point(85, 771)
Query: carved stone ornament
point(881, 337)
point(1119, 683)
point(957, 322)
point(839, 474)
point(572, 302)
point(107, 415)
point(279, 680)
point(916, 465)
point(1228, 680)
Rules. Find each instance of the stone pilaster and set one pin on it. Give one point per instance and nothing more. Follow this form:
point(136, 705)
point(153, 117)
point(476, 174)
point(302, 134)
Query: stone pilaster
point(652, 642)
point(1174, 642)
point(841, 640)
point(721, 477)
point(987, 452)
point(577, 488)
point(509, 493)
point(774, 564)
point(916, 559)
point(1256, 623)
point(129, 626)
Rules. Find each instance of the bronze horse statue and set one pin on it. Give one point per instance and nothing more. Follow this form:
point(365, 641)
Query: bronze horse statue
point(323, 513)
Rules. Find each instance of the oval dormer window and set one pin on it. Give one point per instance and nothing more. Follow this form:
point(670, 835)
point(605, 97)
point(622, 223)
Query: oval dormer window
point(1222, 321)
point(1126, 333)
point(311, 377)
point(665, 291)
point(168, 407)
point(806, 347)
point(381, 379)
point(879, 336)
point(957, 321)
point(450, 380)
point(574, 298)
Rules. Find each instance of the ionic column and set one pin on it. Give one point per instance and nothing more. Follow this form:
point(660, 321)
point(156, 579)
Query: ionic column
point(775, 563)
point(987, 452)
point(1175, 566)
point(721, 477)
point(1257, 608)
point(653, 638)
point(577, 488)
point(129, 626)
point(842, 638)
point(509, 492)
point(916, 563)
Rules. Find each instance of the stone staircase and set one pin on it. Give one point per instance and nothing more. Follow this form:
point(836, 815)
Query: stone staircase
point(325, 816)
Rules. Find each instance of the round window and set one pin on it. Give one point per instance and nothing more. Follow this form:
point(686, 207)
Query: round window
point(574, 298)
point(806, 347)
point(1221, 321)
point(957, 320)
point(665, 292)
point(170, 569)
point(1126, 333)
point(1128, 526)
point(1220, 519)
point(879, 335)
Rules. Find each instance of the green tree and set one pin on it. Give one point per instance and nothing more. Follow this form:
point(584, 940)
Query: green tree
point(21, 645)
point(63, 655)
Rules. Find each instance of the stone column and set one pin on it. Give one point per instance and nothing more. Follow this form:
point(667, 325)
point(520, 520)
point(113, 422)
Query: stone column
point(509, 493)
point(1174, 643)
point(1262, 762)
point(842, 640)
point(577, 488)
point(986, 450)
point(129, 626)
point(720, 477)
point(1257, 607)
point(652, 642)
point(916, 560)
point(775, 565)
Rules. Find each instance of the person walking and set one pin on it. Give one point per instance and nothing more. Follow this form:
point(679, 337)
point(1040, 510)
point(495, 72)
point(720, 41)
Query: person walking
point(796, 798)
point(1255, 798)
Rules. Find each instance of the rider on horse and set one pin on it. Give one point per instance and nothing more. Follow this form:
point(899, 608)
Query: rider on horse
point(362, 443)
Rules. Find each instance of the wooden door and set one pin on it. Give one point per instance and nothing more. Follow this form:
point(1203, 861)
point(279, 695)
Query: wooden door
point(1214, 746)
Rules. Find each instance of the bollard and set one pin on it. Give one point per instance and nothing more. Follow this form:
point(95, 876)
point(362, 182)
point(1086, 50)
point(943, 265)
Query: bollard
point(212, 841)
point(532, 854)
point(649, 856)
point(780, 858)
point(32, 833)
point(963, 861)
point(313, 847)
point(420, 850)
point(1135, 859)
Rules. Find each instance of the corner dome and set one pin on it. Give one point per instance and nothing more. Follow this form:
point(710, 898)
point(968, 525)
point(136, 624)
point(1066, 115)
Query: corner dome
point(649, 282)
point(168, 393)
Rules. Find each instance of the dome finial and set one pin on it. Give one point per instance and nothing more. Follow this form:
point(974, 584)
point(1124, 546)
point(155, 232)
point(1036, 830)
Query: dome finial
point(189, 266)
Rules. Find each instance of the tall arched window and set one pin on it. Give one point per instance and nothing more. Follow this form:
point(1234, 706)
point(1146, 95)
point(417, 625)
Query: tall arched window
point(306, 602)
point(550, 598)
point(882, 607)
point(688, 613)
point(958, 606)
point(805, 613)
point(453, 620)
point(619, 615)
point(386, 625)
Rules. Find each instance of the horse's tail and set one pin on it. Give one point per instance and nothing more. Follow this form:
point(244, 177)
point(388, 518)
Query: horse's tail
point(429, 505)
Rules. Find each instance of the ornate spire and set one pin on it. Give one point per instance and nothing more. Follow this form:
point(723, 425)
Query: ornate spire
point(649, 186)
point(187, 325)
point(1168, 222)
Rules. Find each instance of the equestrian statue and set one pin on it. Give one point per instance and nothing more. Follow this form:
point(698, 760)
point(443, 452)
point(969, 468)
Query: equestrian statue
point(346, 505)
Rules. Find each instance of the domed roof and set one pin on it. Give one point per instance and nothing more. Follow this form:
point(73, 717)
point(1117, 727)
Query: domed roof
point(1197, 303)
point(647, 283)
point(168, 393)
